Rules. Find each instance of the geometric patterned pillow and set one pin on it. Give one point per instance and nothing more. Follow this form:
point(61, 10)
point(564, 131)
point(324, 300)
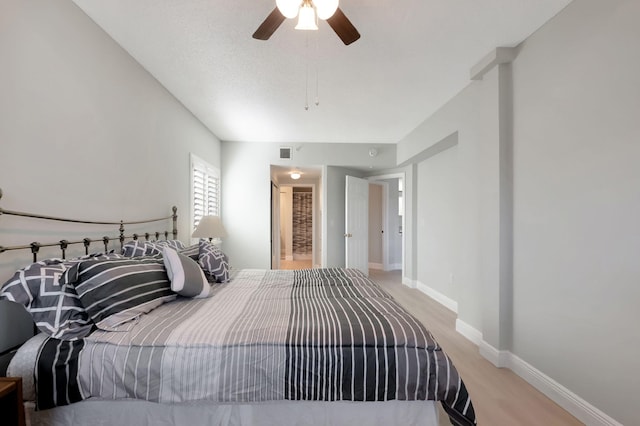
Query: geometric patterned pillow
point(213, 262)
point(52, 302)
point(134, 248)
point(155, 247)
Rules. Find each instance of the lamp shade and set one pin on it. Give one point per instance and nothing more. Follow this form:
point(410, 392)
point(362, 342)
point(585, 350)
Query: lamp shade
point(209, 227)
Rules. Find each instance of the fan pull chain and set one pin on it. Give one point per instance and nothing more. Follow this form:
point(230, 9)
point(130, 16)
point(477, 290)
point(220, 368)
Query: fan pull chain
point(317, 78)
point(307, 66)
point(306, 82)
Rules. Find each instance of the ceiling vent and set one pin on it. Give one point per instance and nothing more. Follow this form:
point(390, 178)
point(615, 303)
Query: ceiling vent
point(285, 153)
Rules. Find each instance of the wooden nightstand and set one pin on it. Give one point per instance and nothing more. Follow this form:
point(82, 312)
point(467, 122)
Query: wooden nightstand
point(11, 405)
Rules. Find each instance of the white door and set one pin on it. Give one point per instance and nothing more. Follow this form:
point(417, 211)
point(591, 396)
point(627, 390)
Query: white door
point(357, 224)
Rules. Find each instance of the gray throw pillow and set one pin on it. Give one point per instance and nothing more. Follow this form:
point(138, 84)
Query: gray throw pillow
point(186, 276)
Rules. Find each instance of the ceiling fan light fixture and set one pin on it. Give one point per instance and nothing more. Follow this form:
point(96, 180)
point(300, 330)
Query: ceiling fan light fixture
point(325, 8)
point(307, 18)
point(288, 8)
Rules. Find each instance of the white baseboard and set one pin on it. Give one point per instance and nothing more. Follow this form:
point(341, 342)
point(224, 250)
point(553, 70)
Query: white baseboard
point(469, 332)
point(574, 404)
point(377, 266)
point(578, 407)
point(395, 266)
point(445, 301)
point(408, 282)
point(562, 396)
point(288, 257)
point(496, 357)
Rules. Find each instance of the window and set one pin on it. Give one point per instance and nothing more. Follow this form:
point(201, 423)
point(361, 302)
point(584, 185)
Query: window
point(205, 190)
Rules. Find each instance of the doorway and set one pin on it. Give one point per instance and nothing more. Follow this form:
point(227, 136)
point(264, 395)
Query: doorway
point(386, 220)
point(297, 226)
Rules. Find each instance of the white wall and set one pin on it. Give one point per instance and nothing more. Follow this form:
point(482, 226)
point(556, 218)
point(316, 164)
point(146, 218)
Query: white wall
point(85, 131)
point(437, 227)
point(78, 113)
point(576, 200)
point(577, 203)
point(468, 121)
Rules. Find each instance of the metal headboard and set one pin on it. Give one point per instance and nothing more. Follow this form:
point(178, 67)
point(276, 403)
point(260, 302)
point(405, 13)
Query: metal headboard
point(64, 244)
point(35, 246)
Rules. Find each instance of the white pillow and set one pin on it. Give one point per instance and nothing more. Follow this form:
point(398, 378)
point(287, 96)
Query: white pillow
point(186, 276)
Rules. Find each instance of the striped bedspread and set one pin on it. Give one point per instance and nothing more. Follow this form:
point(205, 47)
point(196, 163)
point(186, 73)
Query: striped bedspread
point(320, 334)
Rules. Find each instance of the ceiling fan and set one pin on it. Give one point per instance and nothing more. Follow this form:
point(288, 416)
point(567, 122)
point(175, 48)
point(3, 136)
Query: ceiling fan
point(308, 11)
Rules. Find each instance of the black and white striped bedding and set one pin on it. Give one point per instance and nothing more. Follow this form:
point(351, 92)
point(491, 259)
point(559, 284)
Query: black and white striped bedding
point(321, 334)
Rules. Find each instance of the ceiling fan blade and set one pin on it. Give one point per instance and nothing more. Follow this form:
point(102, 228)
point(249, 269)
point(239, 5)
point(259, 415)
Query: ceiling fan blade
point(270, 25)
point(343, 27)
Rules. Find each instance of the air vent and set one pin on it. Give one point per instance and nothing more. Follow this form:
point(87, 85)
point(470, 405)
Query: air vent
point(285, 153)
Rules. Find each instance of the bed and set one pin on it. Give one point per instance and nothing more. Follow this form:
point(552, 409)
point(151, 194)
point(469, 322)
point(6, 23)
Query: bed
point(205, 345)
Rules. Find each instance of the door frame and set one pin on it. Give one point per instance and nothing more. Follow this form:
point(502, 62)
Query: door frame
point(314, 207)
point(385, 216)
point(275, 225)
point(384, 222)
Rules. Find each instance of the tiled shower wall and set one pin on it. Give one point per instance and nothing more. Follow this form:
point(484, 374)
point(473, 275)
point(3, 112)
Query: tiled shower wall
point(302, 222)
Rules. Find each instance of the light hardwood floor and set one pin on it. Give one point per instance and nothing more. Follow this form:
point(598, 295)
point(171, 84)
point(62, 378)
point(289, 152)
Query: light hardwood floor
point(500, 397)
point(295, 264)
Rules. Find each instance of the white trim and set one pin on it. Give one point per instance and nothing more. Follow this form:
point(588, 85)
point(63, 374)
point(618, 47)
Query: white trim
point(408, 282)
point(496, 357)
point(446, 301)
point(402, 176)
point(581, 409)
point(395, 266)
point(574, 404)
point(469, 332)
point(377, 266)
point(499, 55)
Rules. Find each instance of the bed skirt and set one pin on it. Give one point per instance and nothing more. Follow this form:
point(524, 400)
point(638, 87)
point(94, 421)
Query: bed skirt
point(300, 413)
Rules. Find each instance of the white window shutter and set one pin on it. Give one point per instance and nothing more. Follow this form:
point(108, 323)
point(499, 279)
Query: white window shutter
point(205, 190)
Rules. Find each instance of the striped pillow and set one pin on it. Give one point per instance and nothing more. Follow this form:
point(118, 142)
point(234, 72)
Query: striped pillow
point(117, 291)
point(213, 262)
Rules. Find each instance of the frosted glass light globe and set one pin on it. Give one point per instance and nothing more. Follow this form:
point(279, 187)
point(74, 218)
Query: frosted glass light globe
point(325, 8)
point(289, 8)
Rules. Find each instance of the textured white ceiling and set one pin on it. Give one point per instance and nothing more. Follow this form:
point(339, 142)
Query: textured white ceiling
point(413, 56)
